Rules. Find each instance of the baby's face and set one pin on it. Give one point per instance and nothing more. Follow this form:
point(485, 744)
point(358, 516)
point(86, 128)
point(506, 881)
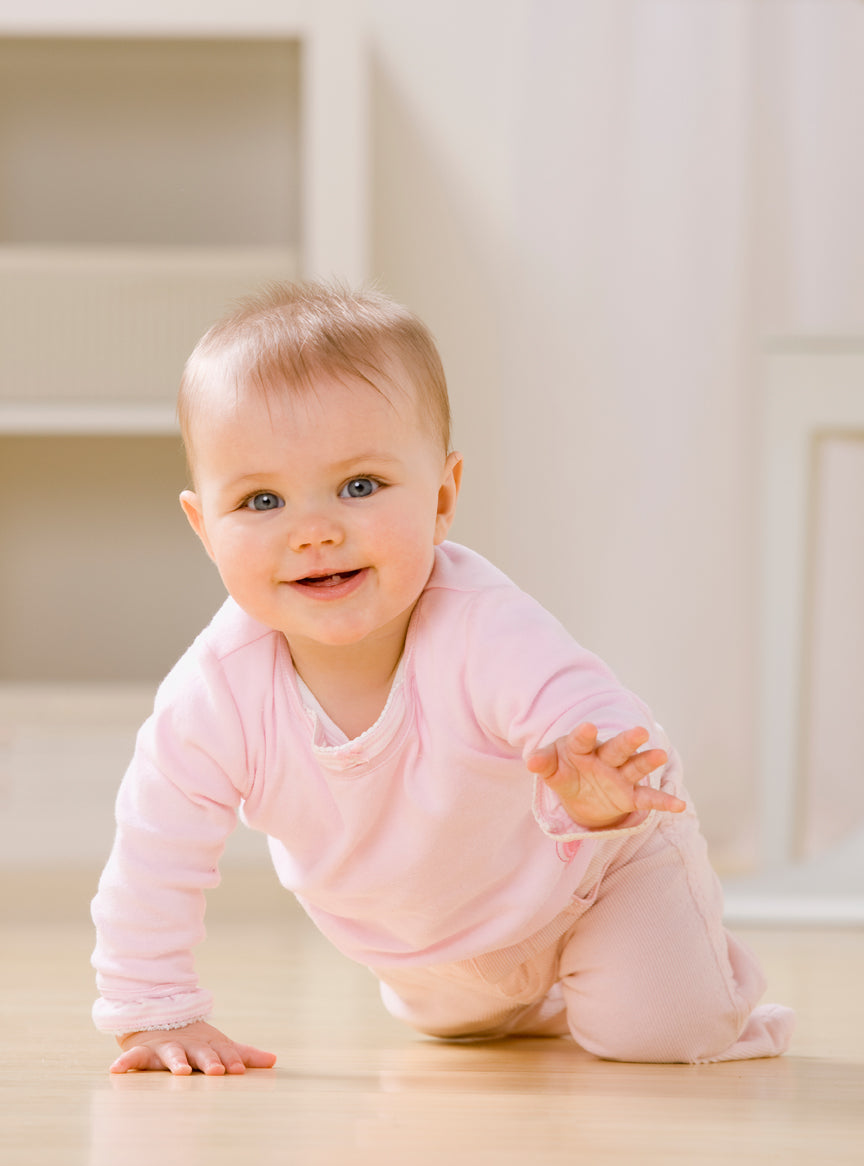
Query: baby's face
point(321, 509)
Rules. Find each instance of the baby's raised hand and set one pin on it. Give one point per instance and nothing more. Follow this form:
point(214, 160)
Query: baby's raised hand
point(598, 782)
point(182, 1050)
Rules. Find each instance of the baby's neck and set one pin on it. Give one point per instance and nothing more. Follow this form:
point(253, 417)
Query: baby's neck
point(350, 683)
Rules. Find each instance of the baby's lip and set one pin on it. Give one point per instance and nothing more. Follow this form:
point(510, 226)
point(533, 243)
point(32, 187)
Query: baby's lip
point(324, 579)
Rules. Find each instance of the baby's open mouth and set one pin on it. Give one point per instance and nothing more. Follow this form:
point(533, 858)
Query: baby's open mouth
point(327, 580)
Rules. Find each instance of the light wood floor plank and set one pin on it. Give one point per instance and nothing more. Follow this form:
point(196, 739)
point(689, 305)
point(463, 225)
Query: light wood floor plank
point(352, 1086)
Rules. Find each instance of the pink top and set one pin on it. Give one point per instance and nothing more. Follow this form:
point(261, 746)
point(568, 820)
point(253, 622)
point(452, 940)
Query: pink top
point(423, 841)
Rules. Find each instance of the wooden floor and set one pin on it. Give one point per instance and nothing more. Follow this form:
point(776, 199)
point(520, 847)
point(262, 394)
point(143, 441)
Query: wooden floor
point(352, 1086)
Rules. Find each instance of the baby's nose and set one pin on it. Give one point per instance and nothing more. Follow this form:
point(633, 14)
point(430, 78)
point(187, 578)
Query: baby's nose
point(315, 529)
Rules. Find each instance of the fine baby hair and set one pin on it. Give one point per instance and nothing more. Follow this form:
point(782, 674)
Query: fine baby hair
point(288, 334)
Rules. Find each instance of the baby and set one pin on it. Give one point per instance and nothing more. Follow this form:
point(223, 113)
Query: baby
point(460, 796)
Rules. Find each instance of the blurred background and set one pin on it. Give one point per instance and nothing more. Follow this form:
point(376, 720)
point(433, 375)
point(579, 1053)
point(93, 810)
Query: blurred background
point(634, 228)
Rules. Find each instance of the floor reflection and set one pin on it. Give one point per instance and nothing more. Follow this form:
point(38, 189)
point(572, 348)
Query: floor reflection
point(438, 1103)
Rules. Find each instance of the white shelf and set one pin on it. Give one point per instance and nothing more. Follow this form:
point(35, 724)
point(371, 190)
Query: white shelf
point(160, 17)
point(82, 418)
point(231, 264)
point(333, 96)
point(141, 178)
point(98, 336)
point(155, 165)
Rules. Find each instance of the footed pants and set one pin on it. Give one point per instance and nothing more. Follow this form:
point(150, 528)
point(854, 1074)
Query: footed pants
point(638, 968)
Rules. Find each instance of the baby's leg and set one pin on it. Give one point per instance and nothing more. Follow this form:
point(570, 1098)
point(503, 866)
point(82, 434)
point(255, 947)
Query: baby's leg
point(650, 974)
point(455, 1002)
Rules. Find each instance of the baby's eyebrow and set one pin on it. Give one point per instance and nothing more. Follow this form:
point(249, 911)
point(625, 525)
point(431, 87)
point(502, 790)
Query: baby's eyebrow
point(255, 476)
point(374, 455)
point(344, 465)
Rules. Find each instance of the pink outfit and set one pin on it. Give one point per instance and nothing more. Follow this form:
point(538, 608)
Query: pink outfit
point(638, 968)
point(424, 848)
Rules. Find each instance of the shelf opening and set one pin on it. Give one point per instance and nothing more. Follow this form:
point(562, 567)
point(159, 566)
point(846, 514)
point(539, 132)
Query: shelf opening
point(140, 142)
point(102, 578)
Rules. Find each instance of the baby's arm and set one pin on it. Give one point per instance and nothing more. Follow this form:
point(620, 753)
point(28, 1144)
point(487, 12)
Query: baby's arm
point(598, 782)
point(176, 806)
point(182, 1050)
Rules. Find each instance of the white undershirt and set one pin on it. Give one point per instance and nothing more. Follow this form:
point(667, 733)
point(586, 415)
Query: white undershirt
point(334, 735)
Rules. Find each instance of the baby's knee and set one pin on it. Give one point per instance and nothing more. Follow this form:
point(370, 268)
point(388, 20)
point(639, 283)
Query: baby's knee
point(661, 1039)
point(726, 1035)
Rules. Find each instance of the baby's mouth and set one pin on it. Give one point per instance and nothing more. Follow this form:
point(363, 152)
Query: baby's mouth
point(324, 581)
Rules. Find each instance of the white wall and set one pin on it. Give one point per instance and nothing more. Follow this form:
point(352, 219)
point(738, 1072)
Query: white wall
point(809, 170)
point(603, 209)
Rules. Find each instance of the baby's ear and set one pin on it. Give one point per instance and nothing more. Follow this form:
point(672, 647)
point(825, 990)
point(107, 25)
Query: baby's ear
point(191, 504)
point(447, 494)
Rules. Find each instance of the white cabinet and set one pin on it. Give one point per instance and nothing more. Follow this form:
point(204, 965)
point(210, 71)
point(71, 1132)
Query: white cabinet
point(154, 166)
point(150, 173)
point(157, 160)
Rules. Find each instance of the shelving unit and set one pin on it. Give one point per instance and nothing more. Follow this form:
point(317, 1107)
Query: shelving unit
point(149, 175)
point(153, 167)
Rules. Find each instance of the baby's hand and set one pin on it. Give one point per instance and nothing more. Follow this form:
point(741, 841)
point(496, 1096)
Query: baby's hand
point(182, 1050)
point(598, 783)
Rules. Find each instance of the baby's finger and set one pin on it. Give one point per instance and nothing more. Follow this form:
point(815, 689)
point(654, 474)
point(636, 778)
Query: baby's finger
point(641, 764)
point(618, 750)
point(207, 1060)
point(174, 1057)
point(229, 1057)
point(143, 1057)
point(238, 1058)
point(544, 763)
point(646, 798)
point(582, 740)
point(137, 1058)
point(255, 1058)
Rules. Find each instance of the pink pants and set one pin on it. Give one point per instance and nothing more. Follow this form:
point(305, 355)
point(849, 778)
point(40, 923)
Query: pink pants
point(641, 968)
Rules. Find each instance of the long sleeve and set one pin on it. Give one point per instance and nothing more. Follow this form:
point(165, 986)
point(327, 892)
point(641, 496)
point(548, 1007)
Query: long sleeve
point(531, 683)
point(176, 807)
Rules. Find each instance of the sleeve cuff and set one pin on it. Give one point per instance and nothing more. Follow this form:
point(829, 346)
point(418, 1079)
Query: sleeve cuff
point(556, 823)
point(162, 1013)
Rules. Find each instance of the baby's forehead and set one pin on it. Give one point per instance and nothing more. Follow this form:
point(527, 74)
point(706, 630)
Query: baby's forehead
point(226, 413)
point(235, 400)
point(321, 390)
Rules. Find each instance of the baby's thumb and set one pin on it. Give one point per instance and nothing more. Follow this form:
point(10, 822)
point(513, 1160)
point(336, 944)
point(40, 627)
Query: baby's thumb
point(544, 762)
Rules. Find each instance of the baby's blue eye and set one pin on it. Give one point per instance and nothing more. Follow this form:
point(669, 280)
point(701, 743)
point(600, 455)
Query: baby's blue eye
point(264, 501)
point(359, 488)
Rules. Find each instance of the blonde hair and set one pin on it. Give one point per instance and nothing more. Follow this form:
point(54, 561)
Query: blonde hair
point(289, 334)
